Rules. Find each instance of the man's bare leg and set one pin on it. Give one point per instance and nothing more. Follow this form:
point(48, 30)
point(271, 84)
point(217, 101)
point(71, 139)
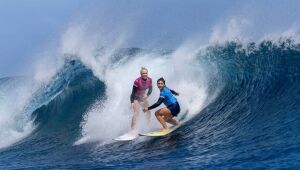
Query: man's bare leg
point(171, 121)
point(136, 108)
point(162, 114)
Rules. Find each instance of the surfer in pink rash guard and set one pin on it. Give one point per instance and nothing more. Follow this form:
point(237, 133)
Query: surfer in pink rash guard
point(139, 96)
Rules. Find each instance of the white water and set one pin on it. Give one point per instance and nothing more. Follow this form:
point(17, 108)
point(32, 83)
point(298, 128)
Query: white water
point(15, 123)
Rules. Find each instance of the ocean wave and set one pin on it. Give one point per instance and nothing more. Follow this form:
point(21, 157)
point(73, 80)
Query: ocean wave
point(242, 100)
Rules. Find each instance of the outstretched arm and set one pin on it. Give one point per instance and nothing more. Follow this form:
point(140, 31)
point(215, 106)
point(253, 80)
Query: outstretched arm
point(159, 101)
point(174, 92)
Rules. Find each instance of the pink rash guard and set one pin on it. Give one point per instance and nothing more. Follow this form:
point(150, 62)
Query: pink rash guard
point(142, 86)
point(139, 88)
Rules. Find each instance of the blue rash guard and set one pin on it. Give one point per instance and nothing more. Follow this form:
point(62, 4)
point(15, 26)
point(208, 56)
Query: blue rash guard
point(166, 96)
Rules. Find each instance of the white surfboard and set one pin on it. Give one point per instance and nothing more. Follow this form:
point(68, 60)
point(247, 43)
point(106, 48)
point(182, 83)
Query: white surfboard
point(127, 136)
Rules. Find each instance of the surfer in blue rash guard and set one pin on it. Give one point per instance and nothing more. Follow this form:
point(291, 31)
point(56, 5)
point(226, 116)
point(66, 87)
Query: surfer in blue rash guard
point(167, 97)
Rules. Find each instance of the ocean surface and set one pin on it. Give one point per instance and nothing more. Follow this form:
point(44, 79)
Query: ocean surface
point(243, 104)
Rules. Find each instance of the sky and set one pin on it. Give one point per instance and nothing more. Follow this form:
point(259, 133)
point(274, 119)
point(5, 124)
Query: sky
point(26, 26)
point(29, 27)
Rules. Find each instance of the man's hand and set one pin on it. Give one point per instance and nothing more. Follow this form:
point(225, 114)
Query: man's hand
point(145, 97)
point(145, 109)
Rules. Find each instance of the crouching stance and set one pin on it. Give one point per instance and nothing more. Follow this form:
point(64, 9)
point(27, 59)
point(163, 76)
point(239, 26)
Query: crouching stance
point(167, 97)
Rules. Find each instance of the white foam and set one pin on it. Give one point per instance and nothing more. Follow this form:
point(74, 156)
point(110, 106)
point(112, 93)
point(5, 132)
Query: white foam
point(15, 123)
point(291, 32)
point(234, 29)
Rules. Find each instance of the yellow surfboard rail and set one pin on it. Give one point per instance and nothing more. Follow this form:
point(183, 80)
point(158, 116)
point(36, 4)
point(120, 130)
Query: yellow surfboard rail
point(160, 132)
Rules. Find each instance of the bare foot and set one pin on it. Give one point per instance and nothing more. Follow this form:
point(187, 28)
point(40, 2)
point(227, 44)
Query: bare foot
point(163, 129)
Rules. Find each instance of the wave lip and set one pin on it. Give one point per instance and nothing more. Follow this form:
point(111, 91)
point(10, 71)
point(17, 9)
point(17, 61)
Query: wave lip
point(74, 89)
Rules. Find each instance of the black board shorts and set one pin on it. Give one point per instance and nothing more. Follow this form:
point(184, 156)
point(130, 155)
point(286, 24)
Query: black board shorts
point(138, 98)
point(174, 108)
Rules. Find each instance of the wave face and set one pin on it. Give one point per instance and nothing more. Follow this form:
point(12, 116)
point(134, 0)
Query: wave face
point(246, 115)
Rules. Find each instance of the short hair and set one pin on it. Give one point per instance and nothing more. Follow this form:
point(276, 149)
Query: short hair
point(143, 68)
point(161, 79)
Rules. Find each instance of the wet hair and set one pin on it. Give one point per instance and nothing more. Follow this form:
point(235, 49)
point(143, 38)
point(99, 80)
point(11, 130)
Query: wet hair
point(143, 68)
point(161, 79)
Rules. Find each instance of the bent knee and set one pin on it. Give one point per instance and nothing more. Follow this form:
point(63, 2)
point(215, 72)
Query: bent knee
point(157, 113)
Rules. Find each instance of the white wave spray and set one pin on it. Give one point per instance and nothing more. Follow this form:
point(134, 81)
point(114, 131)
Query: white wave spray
point(15, 122)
